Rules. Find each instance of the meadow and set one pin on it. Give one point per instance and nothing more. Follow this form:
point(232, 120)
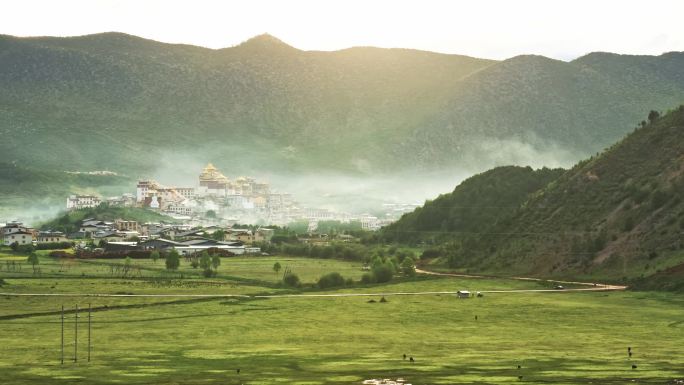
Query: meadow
point(558, 337)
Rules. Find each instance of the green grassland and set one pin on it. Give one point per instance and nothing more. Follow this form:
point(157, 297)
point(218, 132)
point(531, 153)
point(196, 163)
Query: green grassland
point(557, 337)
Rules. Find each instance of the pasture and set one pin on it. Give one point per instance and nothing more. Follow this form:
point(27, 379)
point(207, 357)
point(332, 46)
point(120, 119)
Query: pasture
point(557, 338)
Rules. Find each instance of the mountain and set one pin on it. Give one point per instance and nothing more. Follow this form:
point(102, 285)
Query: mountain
point(618, 215)
point(118, 101)
point(115, 101)
point(142, 108)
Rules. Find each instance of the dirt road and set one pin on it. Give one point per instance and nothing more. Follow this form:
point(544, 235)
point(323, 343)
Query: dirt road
point(590, 287)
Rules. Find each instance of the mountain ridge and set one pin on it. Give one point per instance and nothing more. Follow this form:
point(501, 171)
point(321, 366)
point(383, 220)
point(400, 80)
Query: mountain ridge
point(119, 102)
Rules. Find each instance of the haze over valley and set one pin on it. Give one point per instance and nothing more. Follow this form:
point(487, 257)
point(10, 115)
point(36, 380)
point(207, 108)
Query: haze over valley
point(364, 119)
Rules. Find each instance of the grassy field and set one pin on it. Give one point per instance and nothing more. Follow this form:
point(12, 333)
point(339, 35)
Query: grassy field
point(559, 338)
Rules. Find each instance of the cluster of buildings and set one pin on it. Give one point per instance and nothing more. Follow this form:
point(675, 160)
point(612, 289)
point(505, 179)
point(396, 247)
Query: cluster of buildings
point(217, 199)
point(20, 234)
point(130, 235)
point(121, 235)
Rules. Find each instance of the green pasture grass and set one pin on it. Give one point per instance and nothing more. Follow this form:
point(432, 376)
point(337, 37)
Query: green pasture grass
point(557, 338)
point(245, 268)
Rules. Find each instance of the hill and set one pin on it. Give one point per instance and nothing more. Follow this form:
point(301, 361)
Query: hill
point(40, 192)
point(618, 215)
point(70, 221)
point(473, 206)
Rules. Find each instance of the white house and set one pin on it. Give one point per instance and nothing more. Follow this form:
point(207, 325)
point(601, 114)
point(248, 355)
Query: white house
point(18, 237)
point(75, 202)
point(51, 237)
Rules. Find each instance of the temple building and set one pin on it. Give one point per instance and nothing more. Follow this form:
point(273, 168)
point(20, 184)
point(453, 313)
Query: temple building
point(212, 182)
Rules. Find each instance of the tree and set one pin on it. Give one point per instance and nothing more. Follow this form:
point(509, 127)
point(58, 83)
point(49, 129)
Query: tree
point(215, 261)
point(127, 266)
point(408, 267)
point(33, 260)
point(383, 273)
point(367, 278)
point(291, 279)
point(205, 261)
point(154, 256)
point(333, 279)
point(276, 267)
point(653, 115)
point(172, 260)
point(218, 235)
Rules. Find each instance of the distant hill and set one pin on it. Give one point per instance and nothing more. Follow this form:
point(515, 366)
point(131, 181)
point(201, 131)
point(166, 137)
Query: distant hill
point(618, 215)
point(40, 192)
point(119, 102)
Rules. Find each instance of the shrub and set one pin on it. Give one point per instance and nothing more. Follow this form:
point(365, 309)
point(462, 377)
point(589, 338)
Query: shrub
point(54, 245)
point(22, 248)
point(431, 253)
point(367, 278)
point(172, 260)
point(333, 279)
point(383, 273)
point(408, 267)
point(658, 199)
point(60, 254)
point(291, 280)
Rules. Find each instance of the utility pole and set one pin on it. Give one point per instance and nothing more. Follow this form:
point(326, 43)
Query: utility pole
point(62, 359)
point(76, 335)
point(89, 322)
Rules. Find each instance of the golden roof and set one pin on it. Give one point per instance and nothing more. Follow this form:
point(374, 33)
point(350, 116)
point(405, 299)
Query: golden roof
point(211, 173)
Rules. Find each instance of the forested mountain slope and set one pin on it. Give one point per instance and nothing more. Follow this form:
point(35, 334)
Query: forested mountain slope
point(619, 215)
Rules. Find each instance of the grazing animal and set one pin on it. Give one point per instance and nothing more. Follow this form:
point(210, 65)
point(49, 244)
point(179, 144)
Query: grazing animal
point(404, 355)
point(629, 348)
point(519, 367)
point(411, 359)
point(238, 371)
point(630, 354)
point(475, 318)
point(634, 366)
point(520, 378)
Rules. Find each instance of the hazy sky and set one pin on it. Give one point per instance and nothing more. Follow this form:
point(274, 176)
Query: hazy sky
point(562, 29)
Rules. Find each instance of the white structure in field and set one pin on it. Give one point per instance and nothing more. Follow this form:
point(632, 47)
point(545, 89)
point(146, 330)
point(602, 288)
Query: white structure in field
point(153, 195)
point(75, 202)
point(369, 222)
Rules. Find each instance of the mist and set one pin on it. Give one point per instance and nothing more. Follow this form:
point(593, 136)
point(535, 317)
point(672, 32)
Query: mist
point(354, 190)
point(357, 190)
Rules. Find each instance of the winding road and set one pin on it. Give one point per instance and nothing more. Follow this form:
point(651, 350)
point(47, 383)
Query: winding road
point(590, 287)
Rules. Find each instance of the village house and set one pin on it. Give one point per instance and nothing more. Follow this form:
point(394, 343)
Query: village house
point(120, 246)
point(102, 237)
point(125, 200)
point(14, 227)
point(18, 237)
point(159, 244)
point(123, 225)
point(248, 236)
point(51, 237)
point(75, 202)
